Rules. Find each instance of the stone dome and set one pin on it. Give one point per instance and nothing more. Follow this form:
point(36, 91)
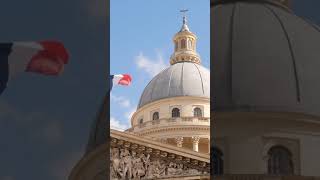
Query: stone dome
point(264, 58)
point(180, 79)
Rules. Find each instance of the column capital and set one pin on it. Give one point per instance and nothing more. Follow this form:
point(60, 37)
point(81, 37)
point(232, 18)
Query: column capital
point(195, 143)
point(179, 141)
point(195, 139)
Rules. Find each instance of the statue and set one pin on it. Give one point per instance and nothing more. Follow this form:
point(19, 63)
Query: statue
point(115, 163)
point(127, 165)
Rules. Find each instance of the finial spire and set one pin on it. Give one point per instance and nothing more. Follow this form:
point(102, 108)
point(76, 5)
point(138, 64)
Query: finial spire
point(185, 44)
point(184, 15)
point(184, 20)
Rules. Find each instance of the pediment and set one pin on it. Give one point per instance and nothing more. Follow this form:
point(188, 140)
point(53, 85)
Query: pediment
point(134, 157)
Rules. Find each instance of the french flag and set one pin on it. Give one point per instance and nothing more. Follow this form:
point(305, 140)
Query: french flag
point(120, 79)
point(43, 57)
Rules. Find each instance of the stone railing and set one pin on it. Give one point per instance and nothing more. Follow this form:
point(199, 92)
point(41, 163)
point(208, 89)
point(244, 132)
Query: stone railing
point(263, 177)
point(172, 121)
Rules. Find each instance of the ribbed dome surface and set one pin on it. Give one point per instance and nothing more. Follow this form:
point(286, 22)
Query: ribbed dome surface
point(264, 58)
point(180, 79)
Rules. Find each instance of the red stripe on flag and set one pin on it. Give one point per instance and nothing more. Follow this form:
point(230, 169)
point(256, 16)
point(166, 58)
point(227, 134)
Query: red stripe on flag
point(57, 49)
point(50, 60)
point(125, 80)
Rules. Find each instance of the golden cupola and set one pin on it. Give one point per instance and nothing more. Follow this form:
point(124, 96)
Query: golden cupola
point(185, 46)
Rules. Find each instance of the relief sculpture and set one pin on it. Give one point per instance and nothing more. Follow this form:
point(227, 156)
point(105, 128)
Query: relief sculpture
point(127, 164)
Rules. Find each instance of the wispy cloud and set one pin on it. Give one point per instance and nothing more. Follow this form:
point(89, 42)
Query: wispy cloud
point(150, 66)
point(121, 100)
point(118, 125)
point(130, 113)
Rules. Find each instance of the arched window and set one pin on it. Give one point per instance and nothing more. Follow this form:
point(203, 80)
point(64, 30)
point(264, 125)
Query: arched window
point(141, 121)
point(155, 116)
point(280, 161)
point(175, 112)
point(183, 43)
point(197, 112)
point(176, 46)
point(217, 161)
point(189, 44)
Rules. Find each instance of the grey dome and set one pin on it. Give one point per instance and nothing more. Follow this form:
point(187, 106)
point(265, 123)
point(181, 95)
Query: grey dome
point(264, 58)
point(180, 79)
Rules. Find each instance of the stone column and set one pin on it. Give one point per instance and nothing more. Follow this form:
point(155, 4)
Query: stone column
point(179, 141)
point(195, 143)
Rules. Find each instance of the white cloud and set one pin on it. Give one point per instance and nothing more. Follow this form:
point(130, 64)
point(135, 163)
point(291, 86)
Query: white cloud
point(117, 125)
point(130, 113)
point(151, 66)
point(121, 100)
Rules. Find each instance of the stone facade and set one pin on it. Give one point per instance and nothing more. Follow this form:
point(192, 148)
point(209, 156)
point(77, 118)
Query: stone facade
point(138, 158)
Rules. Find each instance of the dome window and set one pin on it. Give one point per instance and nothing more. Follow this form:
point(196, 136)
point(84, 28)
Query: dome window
point(176, 46)
point(189, 44)
point(280, 161)
point(141, 121)
point(197, 112)
point(183, 43)
point(155, 116)
point(175, 112)
point(217, 161)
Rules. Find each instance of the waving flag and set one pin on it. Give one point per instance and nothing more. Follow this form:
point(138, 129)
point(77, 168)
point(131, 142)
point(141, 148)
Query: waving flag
point(120, 79)
point(44, 57)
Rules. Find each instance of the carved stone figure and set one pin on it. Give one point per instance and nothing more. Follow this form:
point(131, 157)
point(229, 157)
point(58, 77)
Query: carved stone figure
point(115, 162)
point(127, 165)
point(138, 167)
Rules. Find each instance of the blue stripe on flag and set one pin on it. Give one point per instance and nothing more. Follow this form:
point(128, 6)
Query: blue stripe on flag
point(5, 50)
point(110, 82)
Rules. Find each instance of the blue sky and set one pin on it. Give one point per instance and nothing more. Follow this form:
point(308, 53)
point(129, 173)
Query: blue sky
point(141, 44)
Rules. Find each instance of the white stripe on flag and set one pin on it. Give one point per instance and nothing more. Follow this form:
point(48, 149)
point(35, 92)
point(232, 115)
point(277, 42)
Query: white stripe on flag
point(116, 79)
point(20, 56)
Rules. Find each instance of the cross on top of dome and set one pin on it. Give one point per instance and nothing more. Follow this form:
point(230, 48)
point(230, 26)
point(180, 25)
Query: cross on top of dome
point(184, 20)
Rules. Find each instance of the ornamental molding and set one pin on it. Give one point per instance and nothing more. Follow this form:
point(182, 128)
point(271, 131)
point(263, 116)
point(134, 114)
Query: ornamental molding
point(171, 122)
point(173, 129)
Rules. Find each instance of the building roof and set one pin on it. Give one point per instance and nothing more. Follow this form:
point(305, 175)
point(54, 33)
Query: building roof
point(264, 58)
point(180, 79)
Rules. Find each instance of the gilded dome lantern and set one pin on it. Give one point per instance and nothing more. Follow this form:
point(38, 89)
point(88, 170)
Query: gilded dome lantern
point(185, 45)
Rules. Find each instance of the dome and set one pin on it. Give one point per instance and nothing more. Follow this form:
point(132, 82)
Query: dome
point(180, 79)
point(264, 58)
